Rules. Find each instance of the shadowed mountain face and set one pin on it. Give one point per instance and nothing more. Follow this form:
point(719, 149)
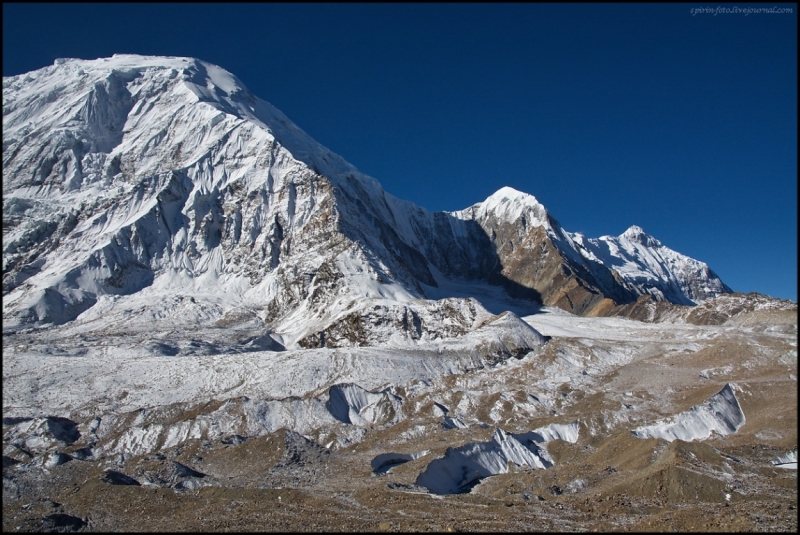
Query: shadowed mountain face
point(133, 183)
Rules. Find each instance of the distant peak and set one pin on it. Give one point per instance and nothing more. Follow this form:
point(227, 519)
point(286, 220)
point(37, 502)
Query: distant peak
point(637, 234)
point(507, 193)
point(510, 205)
point(633, 231)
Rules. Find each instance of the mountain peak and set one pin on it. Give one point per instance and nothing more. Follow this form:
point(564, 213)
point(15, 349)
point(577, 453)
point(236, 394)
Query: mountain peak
point(194, 70)
point(129, 61)
point(634, 230)
point(510, 204)
point(637, 234)
point(507, 193)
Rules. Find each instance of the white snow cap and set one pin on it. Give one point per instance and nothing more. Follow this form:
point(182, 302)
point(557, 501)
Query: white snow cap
point(510, 204)
point(508, 195)
point(638, 234)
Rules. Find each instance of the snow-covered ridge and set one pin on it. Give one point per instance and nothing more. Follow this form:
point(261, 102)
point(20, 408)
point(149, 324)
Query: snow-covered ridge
point(641, 263)
point(146, 78)
point(652, 268)
point(510, 205)
point(130, 173)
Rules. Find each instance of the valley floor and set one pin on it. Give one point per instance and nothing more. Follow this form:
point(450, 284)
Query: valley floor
point(132, 442)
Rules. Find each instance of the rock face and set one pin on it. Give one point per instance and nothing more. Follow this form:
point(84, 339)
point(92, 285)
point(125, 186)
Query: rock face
point(132, 184)
point(752, 309)
point(538, 258)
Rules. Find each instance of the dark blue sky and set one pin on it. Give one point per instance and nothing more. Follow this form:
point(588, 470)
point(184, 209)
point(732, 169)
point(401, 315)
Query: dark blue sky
point(611, 115)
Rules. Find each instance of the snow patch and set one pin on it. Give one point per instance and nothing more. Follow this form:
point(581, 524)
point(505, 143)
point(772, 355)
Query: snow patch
point(461, 468)
point(351, 404)
point(720, 413)
point(788, 461)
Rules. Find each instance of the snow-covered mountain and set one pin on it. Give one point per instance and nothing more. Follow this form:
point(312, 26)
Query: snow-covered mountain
point(585, 276)
point(138, 189)
point(652, 268)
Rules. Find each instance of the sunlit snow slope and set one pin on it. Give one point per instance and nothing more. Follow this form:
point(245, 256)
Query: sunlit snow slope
point(652, 268)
